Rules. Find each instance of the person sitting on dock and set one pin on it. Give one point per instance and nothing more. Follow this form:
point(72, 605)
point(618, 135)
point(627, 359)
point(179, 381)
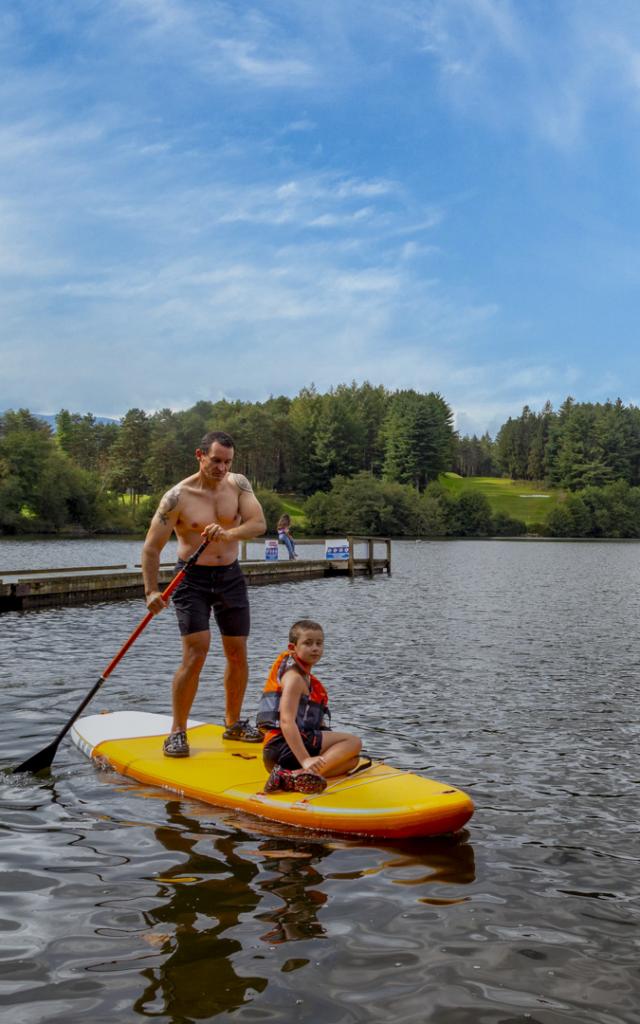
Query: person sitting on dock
point(284, 535)
point(220, 506)
point(300, 750)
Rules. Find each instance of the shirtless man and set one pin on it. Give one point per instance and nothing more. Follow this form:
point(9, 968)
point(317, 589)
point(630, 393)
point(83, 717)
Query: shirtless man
point(221, 506)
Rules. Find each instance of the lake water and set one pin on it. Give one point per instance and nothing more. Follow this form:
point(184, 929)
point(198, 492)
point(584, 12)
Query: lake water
point(508, 669)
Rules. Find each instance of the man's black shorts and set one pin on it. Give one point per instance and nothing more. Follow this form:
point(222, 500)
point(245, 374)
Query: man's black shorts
point(219, 587)
point(278, 751)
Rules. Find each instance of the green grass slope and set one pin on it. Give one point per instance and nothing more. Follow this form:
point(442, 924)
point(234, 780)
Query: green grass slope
point(293, 506)
point(518, 498)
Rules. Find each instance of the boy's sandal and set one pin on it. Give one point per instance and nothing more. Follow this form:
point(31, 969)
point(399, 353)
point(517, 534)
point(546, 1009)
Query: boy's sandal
point(279, 779)
point(309, 782)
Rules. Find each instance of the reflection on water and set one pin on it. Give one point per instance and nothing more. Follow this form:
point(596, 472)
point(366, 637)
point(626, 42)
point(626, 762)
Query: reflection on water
point(203, 898)
point(218, 881)
point(489, 665)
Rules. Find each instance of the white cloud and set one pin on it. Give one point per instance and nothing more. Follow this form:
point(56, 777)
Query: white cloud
point(502, 65)
point(303, 125)
point(485, 394)
point(326, 201)
point(302, 312)
point(217, 41)
point(273, 71)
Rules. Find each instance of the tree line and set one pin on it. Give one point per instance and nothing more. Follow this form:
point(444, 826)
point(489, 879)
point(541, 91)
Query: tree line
point(74, 475)
point(583, 444)
point(366, 458)
point(284, 444)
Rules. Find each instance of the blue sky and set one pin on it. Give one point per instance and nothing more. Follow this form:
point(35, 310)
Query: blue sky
point(204, 199)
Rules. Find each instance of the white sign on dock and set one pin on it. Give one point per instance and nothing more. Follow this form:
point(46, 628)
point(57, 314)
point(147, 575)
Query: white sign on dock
point(335, 550)
point(271, 550)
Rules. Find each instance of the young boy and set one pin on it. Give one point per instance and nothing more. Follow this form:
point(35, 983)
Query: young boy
point(300, 750)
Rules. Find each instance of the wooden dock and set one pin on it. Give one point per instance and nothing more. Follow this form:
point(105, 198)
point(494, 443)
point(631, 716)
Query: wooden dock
point(46, 588)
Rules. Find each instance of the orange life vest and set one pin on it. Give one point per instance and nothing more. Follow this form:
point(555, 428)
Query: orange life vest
point(313, 710)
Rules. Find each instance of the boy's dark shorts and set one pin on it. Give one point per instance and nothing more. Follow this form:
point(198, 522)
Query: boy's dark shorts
point(278, 751)
point(219, 587)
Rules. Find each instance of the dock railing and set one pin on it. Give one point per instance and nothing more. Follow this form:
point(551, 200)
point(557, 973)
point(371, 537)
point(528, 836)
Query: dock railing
point(352, 560)
point(370, 542)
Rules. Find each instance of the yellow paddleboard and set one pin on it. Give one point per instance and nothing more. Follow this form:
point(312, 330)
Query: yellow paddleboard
point(378, 801)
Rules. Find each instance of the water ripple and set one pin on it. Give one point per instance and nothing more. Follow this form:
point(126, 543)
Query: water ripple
point(508, 669)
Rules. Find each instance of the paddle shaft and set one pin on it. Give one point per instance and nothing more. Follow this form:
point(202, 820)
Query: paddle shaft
point(44, 758)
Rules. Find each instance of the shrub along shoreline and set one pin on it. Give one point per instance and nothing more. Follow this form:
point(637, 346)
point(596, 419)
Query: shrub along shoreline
point(365, 505)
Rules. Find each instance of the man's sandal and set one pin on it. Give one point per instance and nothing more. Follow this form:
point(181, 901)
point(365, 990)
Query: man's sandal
point(243, 732)
point(176, 745)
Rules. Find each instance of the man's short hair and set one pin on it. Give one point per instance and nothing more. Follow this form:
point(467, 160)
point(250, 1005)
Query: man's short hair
point(300, 626)
point(216, 435)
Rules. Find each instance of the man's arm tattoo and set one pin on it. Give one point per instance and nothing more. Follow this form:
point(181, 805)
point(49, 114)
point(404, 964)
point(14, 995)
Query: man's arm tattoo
point(167, 504)
point(243, 483)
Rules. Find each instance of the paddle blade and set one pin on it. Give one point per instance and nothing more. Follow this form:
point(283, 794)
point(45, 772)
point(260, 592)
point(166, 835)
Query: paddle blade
point(39, 762)
point(43, 760)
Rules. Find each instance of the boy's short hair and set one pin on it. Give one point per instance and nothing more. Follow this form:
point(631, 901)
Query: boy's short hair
point(300, 626)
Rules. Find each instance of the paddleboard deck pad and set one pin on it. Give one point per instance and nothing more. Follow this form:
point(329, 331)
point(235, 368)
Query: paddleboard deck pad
point(379, 801)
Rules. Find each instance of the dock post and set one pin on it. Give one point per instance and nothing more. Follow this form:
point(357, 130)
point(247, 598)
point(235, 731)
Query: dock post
point(371, 559)
point(350, 539)
point(388, 542)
